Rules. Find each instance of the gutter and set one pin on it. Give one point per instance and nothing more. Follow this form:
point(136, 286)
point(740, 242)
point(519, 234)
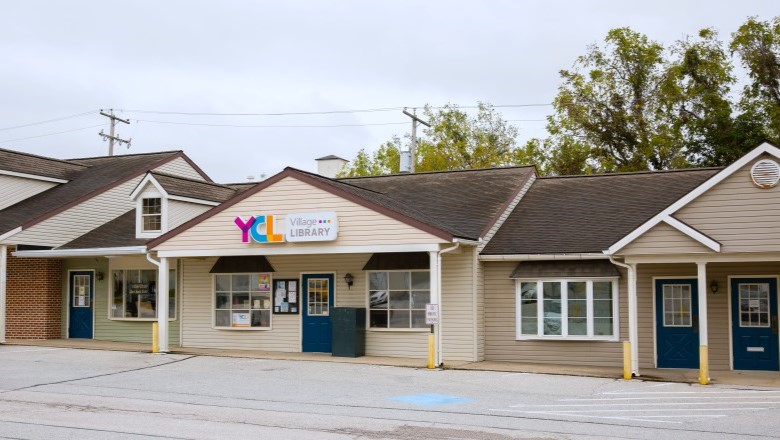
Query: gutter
point(93, 252)
point(538, 257)
point(633, 325)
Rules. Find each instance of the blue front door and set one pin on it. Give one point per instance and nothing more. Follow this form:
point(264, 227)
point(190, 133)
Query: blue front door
point(81, 297)
point(754, 323)
point(677, 323)
point(317, 304)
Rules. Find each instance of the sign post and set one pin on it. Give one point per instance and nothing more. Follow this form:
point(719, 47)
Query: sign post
point(431, 318)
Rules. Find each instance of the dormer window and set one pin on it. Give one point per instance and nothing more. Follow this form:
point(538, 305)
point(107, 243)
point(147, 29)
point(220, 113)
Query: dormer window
point(151, 214)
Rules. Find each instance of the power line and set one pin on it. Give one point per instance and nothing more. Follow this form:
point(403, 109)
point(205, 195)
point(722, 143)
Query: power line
point(323, 112)
point(48, 121)
point(51, 134)
point(203, 124)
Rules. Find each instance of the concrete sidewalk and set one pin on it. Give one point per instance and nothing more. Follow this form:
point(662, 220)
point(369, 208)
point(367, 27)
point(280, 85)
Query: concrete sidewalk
point(746, 378)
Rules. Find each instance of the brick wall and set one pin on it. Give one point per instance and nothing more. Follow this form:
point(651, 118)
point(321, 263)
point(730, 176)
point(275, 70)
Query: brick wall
point(33, 298)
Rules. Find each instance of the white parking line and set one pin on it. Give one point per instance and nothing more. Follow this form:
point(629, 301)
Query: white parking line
point(643, 404)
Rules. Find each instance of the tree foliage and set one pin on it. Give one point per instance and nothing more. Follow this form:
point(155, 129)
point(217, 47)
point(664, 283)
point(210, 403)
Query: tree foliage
point(454, 141)
point(628, 104)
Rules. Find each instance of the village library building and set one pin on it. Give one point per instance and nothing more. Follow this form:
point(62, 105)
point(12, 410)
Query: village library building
point(682, 264)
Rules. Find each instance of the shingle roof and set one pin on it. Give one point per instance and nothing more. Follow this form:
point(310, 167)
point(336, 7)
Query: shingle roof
point(38, 165)
point(119, 232)
point(465, 201)
point(197, 189)
point(585, 214)
point(98, 175)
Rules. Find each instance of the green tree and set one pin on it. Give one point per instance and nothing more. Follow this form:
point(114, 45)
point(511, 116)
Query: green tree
point(454, 141)
point(758, 45)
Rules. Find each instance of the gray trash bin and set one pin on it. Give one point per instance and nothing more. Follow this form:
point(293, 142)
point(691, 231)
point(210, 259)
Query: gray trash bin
point(349, 331)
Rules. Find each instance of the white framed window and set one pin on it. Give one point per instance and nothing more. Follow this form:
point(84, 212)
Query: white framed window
point(242, 301)
point(134, 294)
point(754, 305)
point(677, 305)
point(571, 309)
point(151, 214)
point(397, 299)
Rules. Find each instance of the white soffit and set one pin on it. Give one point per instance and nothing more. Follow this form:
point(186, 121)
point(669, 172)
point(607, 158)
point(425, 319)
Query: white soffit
point(666, 214)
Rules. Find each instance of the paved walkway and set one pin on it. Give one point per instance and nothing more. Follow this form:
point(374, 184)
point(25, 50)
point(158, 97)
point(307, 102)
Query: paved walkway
point(746, 378)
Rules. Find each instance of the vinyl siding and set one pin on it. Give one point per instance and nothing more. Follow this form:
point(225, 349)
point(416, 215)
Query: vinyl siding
point(15, 189)
point(501, 324)
point(180, 212)
point(104, 328)
point(285, 333)
point(664, 239)
point(180, 167)
point(458, 329)
point(480, 312)
point(717, 305)
point(357, 225)
point(738, 214)
point(127, 330)
point(82, 218)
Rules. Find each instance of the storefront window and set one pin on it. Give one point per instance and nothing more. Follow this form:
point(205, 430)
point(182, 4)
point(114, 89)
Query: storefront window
point(397, 299)
point(242, 300)
point(134, 294)
point(563, 309)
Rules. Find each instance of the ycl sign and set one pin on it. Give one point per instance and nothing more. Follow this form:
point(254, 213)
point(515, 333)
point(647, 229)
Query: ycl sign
point(431, 314)
point(307, 226)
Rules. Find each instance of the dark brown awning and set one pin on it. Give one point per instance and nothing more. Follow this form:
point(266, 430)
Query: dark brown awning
point(565, 269)
point(252, 264)
point(398, 261)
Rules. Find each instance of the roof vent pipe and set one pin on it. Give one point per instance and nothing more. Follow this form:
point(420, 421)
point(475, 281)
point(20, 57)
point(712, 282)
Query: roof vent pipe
point(406, 161)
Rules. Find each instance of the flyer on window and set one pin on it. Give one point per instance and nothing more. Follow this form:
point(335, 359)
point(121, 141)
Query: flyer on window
point(264, 282)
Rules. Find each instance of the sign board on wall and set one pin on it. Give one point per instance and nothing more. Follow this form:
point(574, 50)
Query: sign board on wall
point(297, 227)
point(312, 226)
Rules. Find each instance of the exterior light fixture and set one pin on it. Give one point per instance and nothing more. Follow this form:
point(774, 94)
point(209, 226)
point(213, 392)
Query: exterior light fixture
point(99, 276)
point(349, 279)
point(714, 286)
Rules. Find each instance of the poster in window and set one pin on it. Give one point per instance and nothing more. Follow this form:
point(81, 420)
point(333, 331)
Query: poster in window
point(240, 319)
point(264, 282)
point(286, 297)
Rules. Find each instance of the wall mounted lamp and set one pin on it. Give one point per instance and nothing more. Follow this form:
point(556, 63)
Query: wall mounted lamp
point(99, 276)
point(714, 286)
point(349, 279)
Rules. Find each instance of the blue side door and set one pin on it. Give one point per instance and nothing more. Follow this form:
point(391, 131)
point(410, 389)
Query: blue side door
point(317, 303)
point(677, 323)
point(754, 323)
point(81, 295)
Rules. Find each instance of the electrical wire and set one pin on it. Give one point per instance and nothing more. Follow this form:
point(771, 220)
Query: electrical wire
point(48, 120)
point(203, 124)
point(324, 112)
point(52, 134)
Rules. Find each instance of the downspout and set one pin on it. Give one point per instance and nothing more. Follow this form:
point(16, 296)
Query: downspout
point(633, 332)
point(474, 301)
point(438, 289)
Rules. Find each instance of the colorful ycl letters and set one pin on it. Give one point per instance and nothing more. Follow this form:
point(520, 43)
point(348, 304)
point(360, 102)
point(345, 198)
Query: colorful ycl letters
point(260, 228)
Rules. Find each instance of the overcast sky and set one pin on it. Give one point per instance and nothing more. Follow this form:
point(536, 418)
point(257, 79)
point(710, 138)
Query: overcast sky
point(62, 58)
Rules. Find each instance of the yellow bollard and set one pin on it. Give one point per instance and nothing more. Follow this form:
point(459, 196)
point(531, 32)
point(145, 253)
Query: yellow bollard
point(626, 360)
point(155, 337)
point(704, 366)
point(431, 349)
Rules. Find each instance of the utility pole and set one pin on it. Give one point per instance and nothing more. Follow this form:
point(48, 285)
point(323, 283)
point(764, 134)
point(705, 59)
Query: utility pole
point(111, 137)
point(413, 147)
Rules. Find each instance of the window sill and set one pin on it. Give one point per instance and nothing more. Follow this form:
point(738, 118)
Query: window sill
point(569, 338)
point(402, 330)
point(139, 319)
point(243, 329)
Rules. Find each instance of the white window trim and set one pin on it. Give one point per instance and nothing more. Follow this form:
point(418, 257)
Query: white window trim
point(564, 310)
point(111, 295)
point(663, 306)
point(425, 329)
point(239, 329)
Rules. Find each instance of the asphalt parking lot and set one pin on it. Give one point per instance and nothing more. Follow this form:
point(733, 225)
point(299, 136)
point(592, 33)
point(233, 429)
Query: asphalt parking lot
point(63, 393)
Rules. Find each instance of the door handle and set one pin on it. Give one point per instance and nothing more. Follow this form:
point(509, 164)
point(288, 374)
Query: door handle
point(774, 325)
